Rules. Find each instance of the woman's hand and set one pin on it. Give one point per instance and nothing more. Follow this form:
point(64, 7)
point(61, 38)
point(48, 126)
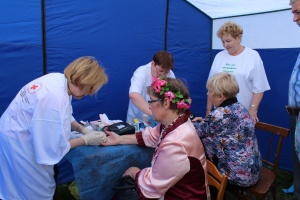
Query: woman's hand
point(253, 114)
point(197, 119)
point(112, 138)
point(131, 171)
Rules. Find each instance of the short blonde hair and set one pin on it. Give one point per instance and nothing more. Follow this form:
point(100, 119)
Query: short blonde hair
point(223, 83)
point(85, 72)
point(230, 28)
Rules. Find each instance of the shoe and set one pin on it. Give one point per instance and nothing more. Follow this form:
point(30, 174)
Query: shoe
point(290, 190)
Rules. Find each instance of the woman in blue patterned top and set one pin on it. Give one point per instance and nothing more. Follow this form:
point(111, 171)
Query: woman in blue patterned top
point(227, 133)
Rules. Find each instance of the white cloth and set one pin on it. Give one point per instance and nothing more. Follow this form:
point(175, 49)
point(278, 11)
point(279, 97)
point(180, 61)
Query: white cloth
point(141, 79)
point(34, 134)
point(249, 72)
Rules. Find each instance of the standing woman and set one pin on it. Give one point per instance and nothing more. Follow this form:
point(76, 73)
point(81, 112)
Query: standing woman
point(245, 64)
point(178, 169)
point(35, 129)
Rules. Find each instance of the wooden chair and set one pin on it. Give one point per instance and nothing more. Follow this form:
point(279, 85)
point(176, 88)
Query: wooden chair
point(216, 179)
point(267, 180)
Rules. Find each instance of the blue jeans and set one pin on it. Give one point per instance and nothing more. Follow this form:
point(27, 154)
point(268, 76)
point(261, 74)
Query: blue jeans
point(293, 121)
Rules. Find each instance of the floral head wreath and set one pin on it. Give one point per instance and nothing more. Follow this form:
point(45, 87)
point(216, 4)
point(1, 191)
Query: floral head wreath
point(163, 87)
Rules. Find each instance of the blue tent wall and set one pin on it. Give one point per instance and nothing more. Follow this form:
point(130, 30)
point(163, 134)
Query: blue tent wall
point(189, 40)
point(279, 64)
point(20, 47)
point(122, 35)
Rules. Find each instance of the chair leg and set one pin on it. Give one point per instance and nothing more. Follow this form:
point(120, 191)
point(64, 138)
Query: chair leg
point(274, 192)
point(56, 194)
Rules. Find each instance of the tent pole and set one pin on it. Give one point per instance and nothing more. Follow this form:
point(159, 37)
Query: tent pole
point(44, 49)
point(166, 25)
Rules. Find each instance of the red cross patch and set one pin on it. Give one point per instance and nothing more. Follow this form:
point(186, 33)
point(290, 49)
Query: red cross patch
point(33, 88)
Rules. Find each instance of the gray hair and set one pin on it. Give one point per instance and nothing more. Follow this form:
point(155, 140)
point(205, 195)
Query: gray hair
point(292, 2)
point(223, 83)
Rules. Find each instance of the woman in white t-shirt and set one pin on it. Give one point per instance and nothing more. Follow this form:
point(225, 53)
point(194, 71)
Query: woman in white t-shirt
point(245, 64)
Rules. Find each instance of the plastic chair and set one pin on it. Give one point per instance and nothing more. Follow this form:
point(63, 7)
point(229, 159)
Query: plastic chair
point(216, 179)
point(267, 180)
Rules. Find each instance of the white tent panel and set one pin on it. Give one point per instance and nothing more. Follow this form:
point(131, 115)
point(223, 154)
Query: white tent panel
point(259, 33)
point(228, 8)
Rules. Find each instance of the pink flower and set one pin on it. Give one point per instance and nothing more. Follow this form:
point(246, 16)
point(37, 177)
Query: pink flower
point(157, 84)
point(182, 104)
point(170, 95)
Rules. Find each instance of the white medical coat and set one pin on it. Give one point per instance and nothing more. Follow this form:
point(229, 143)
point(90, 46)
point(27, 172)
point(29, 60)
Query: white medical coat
point(34, 134)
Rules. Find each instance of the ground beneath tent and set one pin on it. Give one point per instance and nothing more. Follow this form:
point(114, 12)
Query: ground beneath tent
point(284, 180)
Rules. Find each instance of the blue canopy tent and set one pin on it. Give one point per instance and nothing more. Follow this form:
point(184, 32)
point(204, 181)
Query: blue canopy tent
point(45, 36)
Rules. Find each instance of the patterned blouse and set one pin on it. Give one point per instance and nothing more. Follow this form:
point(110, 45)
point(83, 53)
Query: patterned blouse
point(228, 134)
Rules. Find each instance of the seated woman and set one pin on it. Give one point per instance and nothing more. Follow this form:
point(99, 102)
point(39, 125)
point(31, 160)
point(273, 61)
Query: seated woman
point(227, 133)
point(178, 167)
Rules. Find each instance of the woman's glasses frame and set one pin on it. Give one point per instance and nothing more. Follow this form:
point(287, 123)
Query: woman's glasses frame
point(152, 101)
point(161, 73)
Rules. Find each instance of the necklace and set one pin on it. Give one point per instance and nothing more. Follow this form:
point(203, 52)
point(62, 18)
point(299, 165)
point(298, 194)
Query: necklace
point(163, 134)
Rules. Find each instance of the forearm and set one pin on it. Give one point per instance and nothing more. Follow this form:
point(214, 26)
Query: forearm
point(132, 171)
point(76, 126)
point(256, 99)
point(76, 142)
point(128, 139)
point(140, 102)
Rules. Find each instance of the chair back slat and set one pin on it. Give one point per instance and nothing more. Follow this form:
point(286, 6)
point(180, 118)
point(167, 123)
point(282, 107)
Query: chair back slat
point(273, 130)
point(216, 179)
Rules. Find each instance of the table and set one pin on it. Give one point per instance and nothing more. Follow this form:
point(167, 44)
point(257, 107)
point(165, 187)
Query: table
point(95, 168)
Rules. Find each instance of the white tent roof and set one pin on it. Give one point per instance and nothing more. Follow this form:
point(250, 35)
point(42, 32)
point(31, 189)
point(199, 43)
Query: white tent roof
point(265, 22)
point(228, 8)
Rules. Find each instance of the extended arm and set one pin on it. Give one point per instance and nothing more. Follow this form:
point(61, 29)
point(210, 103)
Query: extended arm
point(76, 142)
point(140, 102)
point(75, 126)
point(115, 139)
point(90, 137)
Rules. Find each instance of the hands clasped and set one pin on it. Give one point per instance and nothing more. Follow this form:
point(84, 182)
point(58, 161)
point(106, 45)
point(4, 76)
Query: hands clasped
point(94, 138)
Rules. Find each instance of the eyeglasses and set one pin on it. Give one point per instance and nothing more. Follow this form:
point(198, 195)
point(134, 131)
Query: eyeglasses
point(163, 73)
point(152, 101)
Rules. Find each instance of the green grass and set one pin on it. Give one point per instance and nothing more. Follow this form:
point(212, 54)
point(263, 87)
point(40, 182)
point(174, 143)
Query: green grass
point(284, 180)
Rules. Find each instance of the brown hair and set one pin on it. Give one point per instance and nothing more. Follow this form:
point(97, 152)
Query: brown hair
point(175, 85)
point(85, 72)
point(164, 59)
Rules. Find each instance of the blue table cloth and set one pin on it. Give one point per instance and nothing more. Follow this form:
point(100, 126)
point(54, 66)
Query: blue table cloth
point(95, 168)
